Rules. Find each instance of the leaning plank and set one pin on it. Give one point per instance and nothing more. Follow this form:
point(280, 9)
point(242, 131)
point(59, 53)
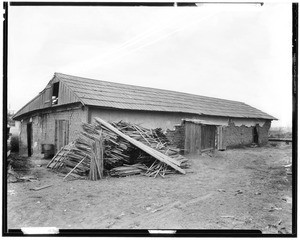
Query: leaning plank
point(60, 158)
point(40, 188)
point(100, 148)
point(74, 168)
point(161, 157)
point(54, 157)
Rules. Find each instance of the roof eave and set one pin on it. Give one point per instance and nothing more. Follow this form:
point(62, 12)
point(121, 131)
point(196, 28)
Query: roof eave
point(188, 112)
point(20, 117)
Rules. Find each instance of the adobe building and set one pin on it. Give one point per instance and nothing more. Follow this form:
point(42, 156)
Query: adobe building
point(55, 115)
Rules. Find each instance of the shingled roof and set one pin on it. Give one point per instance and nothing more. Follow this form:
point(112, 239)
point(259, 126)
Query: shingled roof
point(122, 96)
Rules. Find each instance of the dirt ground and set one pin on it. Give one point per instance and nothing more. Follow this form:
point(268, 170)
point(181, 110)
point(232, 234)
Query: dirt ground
point(244, 188)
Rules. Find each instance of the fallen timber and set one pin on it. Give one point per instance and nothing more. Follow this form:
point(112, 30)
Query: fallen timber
point(118, 149)
point(287, 140)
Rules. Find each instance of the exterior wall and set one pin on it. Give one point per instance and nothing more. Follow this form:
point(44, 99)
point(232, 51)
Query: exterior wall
point(236, 132)
point(177, 136)
point(23, 137)
point(164, 120)
point(43, 128)
point(43, 125)
point(263, 133)
point(234, 136)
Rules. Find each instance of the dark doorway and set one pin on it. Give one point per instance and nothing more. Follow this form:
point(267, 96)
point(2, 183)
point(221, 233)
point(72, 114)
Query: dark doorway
point(208, 133)
point(255, 134)
point(29, 138)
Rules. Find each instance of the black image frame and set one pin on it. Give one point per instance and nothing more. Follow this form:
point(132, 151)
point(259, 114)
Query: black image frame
point(145, 232)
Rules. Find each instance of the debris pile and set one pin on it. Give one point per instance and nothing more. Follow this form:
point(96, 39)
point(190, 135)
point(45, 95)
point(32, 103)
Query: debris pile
point(18, 168)
point(118, 149)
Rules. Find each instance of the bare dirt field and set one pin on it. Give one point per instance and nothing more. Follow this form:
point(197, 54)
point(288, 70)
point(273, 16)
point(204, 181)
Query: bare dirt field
point(243, 188)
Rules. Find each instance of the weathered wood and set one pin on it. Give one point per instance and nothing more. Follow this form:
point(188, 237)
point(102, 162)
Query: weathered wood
point(101, 149)
point(163, 158)
point(59, 160)
point(40, 188)
point(207, 149)
point(140, 132)
point(199, 137)
point(74, 168)
point(280, 140)
point(54, 157)
point(97, 163)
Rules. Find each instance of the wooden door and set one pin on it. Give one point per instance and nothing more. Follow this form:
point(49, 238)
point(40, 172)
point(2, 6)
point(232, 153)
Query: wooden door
point(61, 134)
point(208, 133)
point(192, 143)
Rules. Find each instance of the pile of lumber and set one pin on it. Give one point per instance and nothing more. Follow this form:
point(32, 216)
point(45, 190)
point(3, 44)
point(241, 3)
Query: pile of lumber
point(153, 138)
point(119, 149)
point(127, 170)
point(80, 158)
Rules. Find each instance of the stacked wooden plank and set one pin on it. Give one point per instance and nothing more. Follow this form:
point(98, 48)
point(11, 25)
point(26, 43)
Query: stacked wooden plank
point(67, 161)
point(119, 149)
point(82, 157)
point(67, 158)
point(127, 170)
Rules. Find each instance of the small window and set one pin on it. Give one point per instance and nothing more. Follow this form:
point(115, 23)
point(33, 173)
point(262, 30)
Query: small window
point(55, 93)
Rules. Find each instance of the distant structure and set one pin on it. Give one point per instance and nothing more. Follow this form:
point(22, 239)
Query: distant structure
point(12, 126)
point(55, 115)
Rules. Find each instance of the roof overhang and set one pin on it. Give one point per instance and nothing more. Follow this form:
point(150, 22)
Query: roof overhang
point(48, 110)
point(203, 122)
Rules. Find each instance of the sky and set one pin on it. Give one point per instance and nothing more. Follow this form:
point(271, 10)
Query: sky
point(237, 52)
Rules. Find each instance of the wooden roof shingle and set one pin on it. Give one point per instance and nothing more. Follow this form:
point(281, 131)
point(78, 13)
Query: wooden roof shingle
point(122, 96)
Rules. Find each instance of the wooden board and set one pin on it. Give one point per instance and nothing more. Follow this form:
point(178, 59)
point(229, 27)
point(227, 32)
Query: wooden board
point(192, 144)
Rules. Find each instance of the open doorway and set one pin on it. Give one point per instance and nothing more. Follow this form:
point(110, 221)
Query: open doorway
point(29, 139)
point(208, 133)
point(255, 134)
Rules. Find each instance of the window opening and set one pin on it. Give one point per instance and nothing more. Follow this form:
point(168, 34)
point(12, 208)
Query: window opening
point(55, 93)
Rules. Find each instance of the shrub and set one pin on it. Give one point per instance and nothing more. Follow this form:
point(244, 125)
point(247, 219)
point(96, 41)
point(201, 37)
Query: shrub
point(14, 144)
